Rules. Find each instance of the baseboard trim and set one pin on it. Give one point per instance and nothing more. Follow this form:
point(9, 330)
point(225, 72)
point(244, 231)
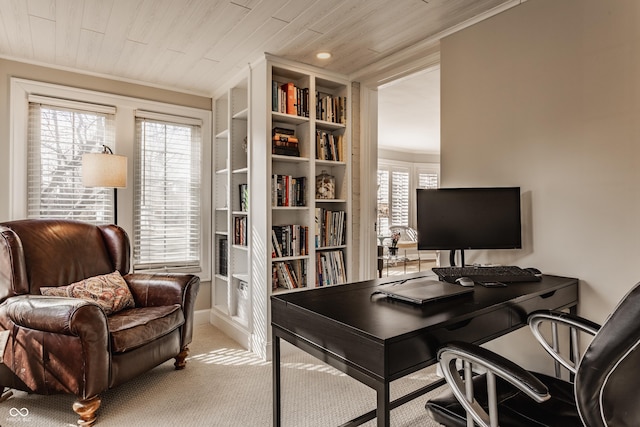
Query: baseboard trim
point(201, 317)
point(229, 328)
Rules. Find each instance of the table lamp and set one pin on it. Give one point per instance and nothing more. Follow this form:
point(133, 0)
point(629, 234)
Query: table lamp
point(105, 170)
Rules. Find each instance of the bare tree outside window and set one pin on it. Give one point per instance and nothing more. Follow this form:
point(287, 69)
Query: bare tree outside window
point(57, 139)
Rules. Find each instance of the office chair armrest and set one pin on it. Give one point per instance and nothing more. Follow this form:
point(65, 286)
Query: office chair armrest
point(574, 323)
point(474, 357)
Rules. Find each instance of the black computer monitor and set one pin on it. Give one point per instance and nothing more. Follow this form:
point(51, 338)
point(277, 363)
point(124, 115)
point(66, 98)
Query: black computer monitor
point(469, 218)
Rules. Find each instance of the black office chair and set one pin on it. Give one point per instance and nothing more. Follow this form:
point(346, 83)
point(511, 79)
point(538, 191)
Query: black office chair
point(604, 391)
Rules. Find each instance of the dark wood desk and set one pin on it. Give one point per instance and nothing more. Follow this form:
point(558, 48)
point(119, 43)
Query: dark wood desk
point(376, 340)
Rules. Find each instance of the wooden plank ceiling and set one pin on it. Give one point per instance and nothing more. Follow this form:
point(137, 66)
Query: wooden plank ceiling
point(197, 45)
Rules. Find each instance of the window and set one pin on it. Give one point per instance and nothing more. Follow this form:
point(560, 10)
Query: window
point(393, 197)
point(167, 192)
point(53, 125)
point(59, 133)
point(383, 202)
point(397, 183)
point(427, 179)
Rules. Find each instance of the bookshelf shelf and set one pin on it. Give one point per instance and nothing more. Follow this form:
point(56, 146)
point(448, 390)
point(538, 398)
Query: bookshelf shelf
point(289, 208)
point(330, 201)
point(330, 248)
point(243, 277)
point(289, 118)
point(289, 258)
point(330, 163)
point(322, 124)
point(289, 159)
point(242, 115)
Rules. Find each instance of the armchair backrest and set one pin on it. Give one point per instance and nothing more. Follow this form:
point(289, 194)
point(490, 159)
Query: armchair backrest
point(46, 252)
point(607, 378)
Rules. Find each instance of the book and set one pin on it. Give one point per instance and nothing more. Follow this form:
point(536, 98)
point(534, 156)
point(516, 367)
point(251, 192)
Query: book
point(289, 240)
point(283, 131)
point(285, 151)
point(244, 197)
point(288, 190)
point(222, 256)
point(329, 228)
point(330, 268)
point(274, 95)
point(283, 138)
point(290, 95)
point(240, 231)
point(284, 142)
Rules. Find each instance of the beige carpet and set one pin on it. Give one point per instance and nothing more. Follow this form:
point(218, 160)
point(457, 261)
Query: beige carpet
point(224, 385)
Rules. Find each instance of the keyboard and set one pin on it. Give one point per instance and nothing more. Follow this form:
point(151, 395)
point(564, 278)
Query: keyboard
point(503, 273)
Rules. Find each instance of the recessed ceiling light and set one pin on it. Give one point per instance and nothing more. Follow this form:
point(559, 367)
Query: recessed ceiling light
point(323, 55)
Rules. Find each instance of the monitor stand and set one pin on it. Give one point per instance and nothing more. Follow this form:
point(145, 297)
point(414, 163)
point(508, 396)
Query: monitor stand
point(452, 257)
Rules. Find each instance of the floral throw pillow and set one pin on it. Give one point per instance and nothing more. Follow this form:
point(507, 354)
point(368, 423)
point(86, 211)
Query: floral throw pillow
point(109, 291)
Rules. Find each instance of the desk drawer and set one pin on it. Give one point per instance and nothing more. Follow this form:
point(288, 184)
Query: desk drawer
point(553, 300)
point(475, 330)
point(414, 351)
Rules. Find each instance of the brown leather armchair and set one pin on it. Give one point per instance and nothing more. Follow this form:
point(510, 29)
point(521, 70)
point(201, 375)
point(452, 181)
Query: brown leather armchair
point(67, 345)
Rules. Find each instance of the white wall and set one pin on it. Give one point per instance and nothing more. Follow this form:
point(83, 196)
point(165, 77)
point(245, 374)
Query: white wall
point(546, 96)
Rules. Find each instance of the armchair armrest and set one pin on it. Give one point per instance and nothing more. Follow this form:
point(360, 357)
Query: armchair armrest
point(68, 316)
point(574, 323)
point(46, 330)
point(158, 289)
point(495, 365)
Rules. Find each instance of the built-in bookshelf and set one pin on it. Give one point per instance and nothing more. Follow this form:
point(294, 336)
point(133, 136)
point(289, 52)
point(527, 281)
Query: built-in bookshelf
point(300, 127)
point(232, 286)
point(310, 177)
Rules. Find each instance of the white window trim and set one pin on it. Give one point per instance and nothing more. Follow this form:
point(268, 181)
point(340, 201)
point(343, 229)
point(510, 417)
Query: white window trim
point(22, 89)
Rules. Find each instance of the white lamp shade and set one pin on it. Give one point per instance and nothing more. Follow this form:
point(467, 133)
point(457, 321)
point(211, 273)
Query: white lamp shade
point(104, 170)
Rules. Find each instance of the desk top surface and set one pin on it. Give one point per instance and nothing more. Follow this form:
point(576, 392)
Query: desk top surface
point(352, 306)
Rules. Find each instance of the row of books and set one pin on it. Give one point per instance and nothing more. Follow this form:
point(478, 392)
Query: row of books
point(287, 98)
point(289, 274)
point(330, 228)
point(284, 142)
point(287, 190)
point(289, 240)
point(331, 108)
point(240, 231)
point(329, 146)
point(330, 268)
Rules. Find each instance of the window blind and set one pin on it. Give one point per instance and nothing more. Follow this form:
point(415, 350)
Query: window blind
point(167, 222)
point(383, 202)
point(428, 180)
point(59, 133)
point(399, 197)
